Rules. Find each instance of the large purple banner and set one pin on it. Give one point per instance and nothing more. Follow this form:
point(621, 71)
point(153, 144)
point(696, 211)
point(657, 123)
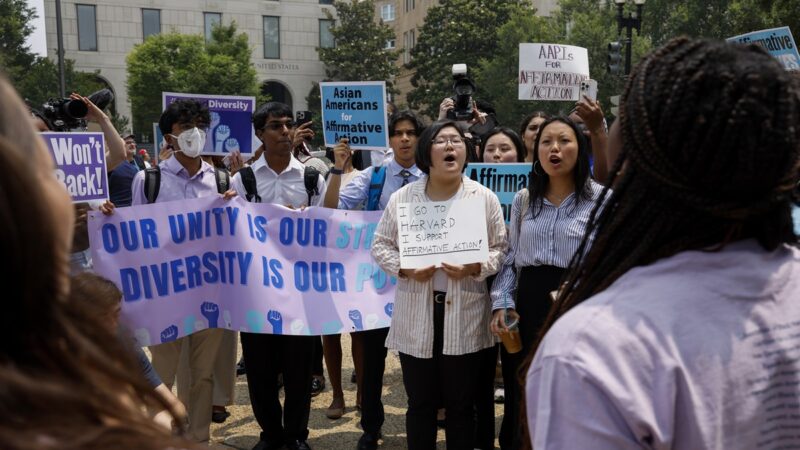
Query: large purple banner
point(261, 268)
point(80, 164)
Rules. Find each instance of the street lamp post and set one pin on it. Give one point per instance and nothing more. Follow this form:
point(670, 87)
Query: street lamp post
point(630, 22)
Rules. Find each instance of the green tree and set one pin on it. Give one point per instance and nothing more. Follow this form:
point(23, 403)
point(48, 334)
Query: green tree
point(175, 62)
point(15, 22)
point(583, 23)
point(360, 53)
point(454, 32)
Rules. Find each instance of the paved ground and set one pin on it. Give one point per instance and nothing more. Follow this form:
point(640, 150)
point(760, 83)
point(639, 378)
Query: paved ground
point(241, 431)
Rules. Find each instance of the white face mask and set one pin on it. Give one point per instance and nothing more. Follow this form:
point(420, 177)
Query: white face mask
point(191, 142)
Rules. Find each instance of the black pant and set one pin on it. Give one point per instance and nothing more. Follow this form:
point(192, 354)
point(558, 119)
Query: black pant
point(374, 344)
point(484, 399)
point(449, 378)
point(265, 356)
point(318, 354)
point(533, 304)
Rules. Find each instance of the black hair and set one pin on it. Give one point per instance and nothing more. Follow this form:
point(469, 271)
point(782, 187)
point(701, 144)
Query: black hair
point(727, 175)
point(527, 119)
point(425, 142)
point(515, 139)
point(274, 109)
point(539, 180)
point(184, 111)
point(405, 115)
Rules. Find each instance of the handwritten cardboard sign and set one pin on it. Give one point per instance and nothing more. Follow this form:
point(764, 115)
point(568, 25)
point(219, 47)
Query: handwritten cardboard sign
point(430, 233)
point(551, 72)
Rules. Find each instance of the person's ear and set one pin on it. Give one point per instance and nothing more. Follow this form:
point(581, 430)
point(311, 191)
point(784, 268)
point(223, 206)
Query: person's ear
point(170, 141)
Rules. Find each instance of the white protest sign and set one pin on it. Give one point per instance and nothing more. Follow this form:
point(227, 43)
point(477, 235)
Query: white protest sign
point(430, 233)
point(551, 72)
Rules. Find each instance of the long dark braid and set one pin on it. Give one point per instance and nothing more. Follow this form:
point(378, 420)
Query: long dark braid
point(710, 154)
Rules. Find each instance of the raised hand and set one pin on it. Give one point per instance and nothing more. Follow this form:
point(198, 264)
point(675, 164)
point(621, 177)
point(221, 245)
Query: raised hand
point(255, 323)
point(389, 308)
point(372, 321)
point(169, 334)
point(226, 317)
point(214, 120)
point(211, 312)
point(275, 318)
point(355, 316)
point(222, 133)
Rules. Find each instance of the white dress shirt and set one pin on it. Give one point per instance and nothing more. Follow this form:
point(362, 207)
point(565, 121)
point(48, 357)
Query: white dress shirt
point(286, 188)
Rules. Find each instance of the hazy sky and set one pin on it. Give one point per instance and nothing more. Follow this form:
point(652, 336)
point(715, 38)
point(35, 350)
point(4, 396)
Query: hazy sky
point(37, 39)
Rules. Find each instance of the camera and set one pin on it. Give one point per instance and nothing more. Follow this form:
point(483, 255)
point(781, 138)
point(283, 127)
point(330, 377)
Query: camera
point(463, 88)
point(64, 114)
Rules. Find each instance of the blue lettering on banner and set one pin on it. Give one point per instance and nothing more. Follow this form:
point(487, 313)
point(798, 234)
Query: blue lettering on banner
point(365, 230)
point(317, 275)
point(258, 227)
point(367, 271)
point(185, 273)
point(271, 270)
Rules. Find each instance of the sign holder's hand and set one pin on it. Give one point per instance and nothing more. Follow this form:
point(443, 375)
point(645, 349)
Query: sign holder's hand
point(421, 275)
point(459, 271)
point(107, 208)
point(342, 154)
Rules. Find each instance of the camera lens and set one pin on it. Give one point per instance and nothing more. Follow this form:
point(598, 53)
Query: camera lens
point(75, 109)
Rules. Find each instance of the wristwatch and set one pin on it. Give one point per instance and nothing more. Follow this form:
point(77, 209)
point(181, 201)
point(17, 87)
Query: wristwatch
point(335, 171)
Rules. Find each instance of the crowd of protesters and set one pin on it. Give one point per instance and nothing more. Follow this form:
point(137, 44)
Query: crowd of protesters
point(644, 294)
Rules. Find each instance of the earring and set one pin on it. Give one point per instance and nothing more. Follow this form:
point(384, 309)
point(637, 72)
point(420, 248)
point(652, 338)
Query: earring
point(534, 168)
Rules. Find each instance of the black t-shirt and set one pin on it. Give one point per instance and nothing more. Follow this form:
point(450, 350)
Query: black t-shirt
point(119, 184)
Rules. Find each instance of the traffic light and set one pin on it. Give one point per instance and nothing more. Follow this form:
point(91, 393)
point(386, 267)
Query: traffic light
point(615, 57)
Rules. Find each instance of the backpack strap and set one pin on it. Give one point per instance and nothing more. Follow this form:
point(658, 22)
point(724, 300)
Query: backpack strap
point(376, 188)
point(152, 183)
point(310, 179)
point(223, 179)
point(249, 182)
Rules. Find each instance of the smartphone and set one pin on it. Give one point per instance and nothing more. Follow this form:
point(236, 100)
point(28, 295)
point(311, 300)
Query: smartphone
point(302, 117)
point(589, 89)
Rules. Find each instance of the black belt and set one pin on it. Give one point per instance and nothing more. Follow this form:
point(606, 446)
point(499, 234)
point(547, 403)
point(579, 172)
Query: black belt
point(439, 296)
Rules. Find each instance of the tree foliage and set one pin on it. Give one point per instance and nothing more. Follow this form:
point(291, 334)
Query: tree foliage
point(454, 32)
point(583, 23)
point(360, 53)
point(174, 62)
point(35, 77)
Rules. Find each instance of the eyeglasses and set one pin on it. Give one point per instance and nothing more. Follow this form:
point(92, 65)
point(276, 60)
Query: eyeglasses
point(278, 126)
point(455, 141)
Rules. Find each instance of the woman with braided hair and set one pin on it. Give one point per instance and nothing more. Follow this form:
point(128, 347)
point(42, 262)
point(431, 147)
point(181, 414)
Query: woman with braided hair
point(680, 326)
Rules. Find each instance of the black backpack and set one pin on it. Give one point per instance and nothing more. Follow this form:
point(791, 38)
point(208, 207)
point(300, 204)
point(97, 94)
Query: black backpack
point(310, 178)
point(152, 182)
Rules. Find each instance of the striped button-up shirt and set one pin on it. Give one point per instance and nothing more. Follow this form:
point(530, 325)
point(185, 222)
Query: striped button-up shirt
point(467, 304)
point(549, 237)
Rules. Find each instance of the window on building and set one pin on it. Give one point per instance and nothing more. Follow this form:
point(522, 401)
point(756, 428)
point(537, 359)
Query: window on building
point(412, 40)
point(389, 44)
point(151, 22)
point(326, 39)
point(210, 19)
point(87, 28)
point(325, 2)
point(387, 13)
point(272, 37)
point(408, 5)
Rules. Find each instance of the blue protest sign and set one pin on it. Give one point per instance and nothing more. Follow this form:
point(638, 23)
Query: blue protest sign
point(505, 180)
point(357, 111)
point(158, 138)
point(231, 126)
point(80, 164)
point(777, 41)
